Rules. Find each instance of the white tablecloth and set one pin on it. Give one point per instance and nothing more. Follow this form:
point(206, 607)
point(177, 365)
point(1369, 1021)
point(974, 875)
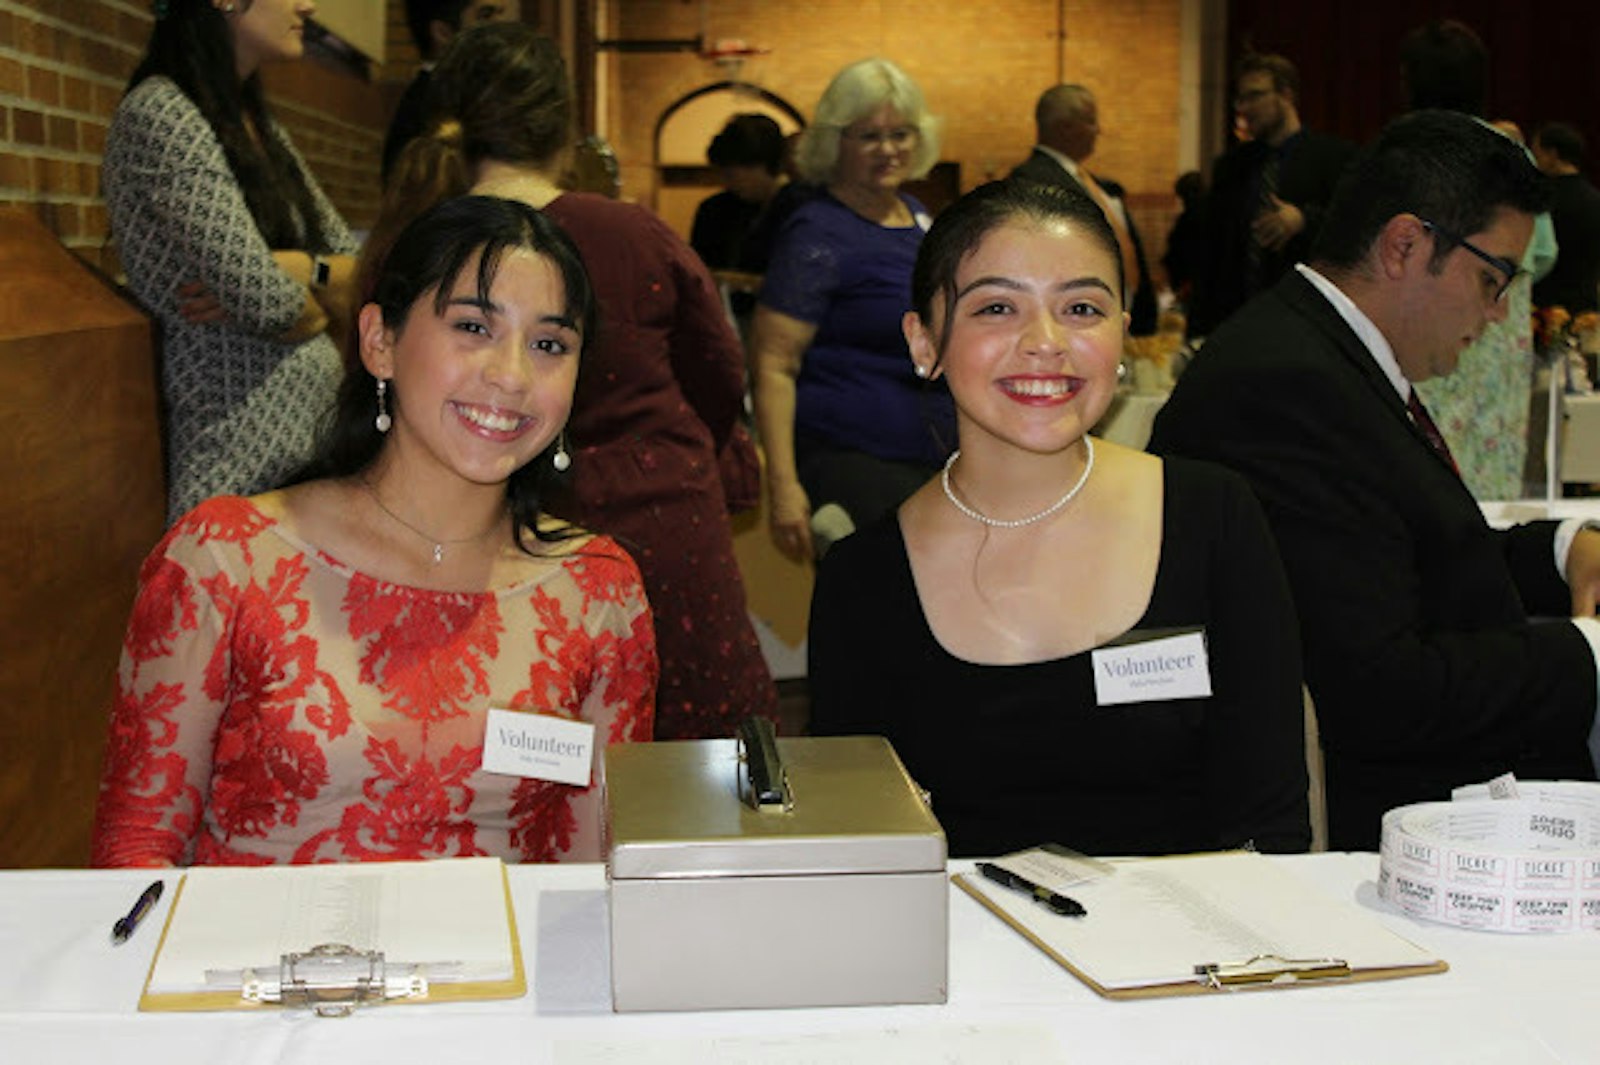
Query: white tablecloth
point(1504, 513)
point(66, 995)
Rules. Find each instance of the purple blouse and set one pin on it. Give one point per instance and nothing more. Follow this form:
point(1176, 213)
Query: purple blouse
point(851, 278)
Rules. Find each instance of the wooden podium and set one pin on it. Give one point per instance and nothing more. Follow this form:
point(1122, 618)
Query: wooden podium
point(82, 489)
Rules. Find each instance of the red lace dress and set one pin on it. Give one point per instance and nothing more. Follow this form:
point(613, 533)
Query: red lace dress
point(274, 705)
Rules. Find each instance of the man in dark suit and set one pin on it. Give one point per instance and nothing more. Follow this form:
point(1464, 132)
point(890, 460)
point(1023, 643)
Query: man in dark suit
point(1425, 667)
point(1068, 122)
point(1267, 193)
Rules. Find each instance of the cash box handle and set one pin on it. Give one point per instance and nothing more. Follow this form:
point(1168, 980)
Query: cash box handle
point(763, 780)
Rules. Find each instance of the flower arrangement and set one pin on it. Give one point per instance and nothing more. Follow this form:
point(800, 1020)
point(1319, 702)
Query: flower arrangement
point(1554, 327)
point(1152, 359)
point(1558, 335)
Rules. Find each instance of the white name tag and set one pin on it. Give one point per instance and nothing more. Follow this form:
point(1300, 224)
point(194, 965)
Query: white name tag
point(538, 746)
point(1170, 667)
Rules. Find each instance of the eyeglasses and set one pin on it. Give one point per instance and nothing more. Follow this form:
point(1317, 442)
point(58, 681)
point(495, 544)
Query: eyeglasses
point(899, 138)
point(1505, 266)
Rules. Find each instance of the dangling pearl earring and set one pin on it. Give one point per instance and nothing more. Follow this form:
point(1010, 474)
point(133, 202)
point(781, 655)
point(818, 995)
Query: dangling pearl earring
point(227, 7)
point(382, 422)
point(561, 460)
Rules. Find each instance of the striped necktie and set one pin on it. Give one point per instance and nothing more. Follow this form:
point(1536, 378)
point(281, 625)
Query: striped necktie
point(1424, 421)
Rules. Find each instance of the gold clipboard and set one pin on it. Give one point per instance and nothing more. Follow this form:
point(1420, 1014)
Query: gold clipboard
point(1208, 976)
point(515, 986)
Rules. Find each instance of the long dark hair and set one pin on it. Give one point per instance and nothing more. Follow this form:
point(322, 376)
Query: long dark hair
point(427, 257)
point(500, 92)
point(192, 46)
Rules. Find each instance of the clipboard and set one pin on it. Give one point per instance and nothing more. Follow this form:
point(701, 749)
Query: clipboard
point(329, 977)
point(1259, 928)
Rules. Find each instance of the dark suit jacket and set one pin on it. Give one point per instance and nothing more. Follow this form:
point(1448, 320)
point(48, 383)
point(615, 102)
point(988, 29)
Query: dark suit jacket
point(1575, 212)
point(1308, 171)
point(1142, 308)
point(1414, 614)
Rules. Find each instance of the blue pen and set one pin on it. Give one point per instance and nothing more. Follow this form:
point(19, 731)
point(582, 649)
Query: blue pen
point(125, 926)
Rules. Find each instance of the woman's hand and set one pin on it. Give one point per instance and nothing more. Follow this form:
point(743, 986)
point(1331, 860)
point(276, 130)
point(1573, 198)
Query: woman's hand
point(779, 343)
point(316, 313)
point(790, 519)
point(198, 304)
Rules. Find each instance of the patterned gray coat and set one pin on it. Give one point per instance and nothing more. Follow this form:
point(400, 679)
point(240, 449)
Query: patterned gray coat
point(242, 409)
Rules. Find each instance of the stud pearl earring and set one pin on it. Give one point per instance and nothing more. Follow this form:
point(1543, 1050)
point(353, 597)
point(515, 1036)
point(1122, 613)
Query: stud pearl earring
point(561, 460)
point(922, 371)
point(382, 422)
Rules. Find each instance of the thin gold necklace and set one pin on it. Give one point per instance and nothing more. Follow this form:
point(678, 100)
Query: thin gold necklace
point(438, 544)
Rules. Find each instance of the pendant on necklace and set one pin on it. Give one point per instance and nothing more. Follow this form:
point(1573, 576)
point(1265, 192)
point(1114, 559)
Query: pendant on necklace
point(438, 554)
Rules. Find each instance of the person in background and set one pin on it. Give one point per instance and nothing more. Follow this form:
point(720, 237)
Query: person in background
point(1422, 651)
point(662, 389)
point(1481, 408)
point(1184, 258)
point(309, 674)
point(733, 230)
point(848, 429)
point(1268, 194)
point(748, 154)
point(1574, 282)
point(792, 192)
point(975, 626)
point(433, 23)
point(1067, 120)
point(228, 241)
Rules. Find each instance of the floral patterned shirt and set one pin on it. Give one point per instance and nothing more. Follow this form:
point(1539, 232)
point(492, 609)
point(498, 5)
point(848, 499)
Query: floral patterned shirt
point(274, 705)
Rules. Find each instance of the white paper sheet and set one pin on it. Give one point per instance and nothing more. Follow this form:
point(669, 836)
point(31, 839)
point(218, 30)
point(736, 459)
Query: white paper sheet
point(1153, 920)
point(447, 916)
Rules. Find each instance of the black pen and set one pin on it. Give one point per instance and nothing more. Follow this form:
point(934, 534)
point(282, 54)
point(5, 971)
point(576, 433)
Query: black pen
point(147, 902)
point(1057, 903)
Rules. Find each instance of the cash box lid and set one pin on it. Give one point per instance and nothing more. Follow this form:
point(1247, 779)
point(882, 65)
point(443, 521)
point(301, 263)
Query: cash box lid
point(674, 809)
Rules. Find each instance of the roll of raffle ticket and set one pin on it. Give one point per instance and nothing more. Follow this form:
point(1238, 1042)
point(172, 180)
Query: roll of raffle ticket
point(1525, 864)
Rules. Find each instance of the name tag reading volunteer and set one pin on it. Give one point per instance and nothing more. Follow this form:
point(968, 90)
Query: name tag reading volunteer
point(539, 746)
point(1150, 669)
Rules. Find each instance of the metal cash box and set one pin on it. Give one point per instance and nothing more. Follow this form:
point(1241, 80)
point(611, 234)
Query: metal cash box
point(759, 873)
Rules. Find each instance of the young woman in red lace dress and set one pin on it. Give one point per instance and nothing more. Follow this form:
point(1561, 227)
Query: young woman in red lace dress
point(662, 391)
point(308, 674)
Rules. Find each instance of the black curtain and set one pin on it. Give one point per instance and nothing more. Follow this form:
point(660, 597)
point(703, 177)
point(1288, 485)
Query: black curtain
point(1544, 58)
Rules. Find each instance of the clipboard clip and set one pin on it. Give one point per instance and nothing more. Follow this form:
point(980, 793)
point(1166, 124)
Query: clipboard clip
point(1269, 969)
point(333, 980)
point(763, 778)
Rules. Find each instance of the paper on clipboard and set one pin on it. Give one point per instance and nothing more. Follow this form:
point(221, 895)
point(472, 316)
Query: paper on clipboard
point(450, 920)
point(1156, 921)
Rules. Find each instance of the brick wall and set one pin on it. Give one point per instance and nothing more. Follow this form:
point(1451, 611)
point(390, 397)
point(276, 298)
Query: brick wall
point(64, 63)
point(981, 67)
point(63, 67)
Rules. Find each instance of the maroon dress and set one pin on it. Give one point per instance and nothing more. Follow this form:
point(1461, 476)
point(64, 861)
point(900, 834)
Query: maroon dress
point(660, 392)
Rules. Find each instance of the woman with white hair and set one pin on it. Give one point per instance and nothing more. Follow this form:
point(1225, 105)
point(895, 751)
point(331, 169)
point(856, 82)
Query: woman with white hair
point(845, 421)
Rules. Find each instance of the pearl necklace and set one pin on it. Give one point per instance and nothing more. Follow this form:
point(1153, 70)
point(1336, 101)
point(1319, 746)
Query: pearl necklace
point(438, 544)
point(996, 523)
